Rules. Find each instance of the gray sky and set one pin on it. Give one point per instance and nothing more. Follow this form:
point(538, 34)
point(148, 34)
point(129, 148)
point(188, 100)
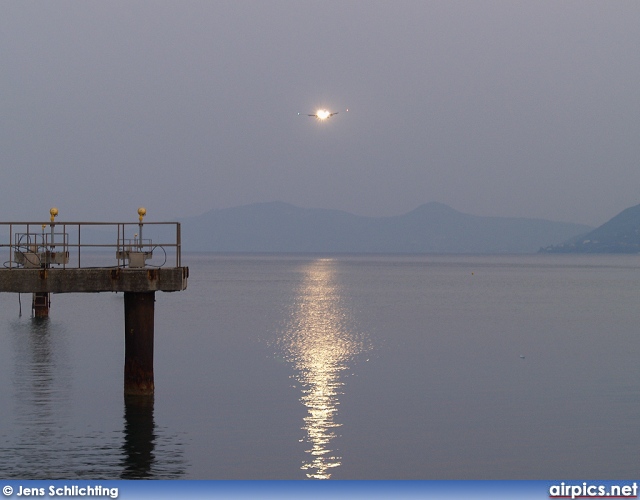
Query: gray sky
point(511, 108)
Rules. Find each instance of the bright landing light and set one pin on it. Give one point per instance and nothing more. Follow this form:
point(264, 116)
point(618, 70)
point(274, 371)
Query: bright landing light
point(323, 114)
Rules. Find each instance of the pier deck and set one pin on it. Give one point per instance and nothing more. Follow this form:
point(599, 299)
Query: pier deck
point(42, 258)
point(90, 280)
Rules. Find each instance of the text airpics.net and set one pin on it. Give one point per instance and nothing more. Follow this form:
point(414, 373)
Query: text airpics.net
point(586, 490)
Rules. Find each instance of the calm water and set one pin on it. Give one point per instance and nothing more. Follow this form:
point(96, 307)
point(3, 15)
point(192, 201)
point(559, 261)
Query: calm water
point(342, 368)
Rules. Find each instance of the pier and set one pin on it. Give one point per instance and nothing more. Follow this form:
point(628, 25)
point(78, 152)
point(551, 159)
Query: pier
point(44, 258)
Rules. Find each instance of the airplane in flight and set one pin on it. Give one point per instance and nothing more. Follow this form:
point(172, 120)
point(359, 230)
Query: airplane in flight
point(323, 114)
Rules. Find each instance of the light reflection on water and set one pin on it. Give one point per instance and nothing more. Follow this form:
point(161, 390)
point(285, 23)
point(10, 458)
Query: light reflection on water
point(320, 341)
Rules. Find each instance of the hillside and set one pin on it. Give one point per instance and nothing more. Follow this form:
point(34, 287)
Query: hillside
point(431, 228)
point(621, 234)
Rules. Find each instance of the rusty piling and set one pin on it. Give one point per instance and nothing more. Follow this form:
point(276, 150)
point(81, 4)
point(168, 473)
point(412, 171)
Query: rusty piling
point(40, 304)
point(138, 343)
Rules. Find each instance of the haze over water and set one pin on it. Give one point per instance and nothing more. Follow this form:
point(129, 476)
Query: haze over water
point(294, 367)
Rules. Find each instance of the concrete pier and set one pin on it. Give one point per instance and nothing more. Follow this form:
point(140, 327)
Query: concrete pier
point(38, 263)
point(165, 279)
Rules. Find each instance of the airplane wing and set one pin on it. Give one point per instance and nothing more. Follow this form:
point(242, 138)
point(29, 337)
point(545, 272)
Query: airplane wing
point(329, 115)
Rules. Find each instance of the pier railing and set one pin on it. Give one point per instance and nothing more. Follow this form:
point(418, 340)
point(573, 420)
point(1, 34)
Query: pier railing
point(89, 244)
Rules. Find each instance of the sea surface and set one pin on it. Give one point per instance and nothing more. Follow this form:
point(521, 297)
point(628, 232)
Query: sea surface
point(337, 367)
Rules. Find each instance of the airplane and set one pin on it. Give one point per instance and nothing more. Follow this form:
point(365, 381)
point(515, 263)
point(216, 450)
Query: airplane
point(323, 114)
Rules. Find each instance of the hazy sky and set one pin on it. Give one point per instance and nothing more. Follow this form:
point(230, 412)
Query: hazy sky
point(511, 108)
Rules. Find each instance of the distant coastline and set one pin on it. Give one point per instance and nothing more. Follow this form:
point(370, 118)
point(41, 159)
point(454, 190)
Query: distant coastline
point(432, 228)
point(621, 234)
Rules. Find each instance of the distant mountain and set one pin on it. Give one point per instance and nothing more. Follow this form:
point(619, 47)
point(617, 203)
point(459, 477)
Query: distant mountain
point(431, 228)
point(619, 235)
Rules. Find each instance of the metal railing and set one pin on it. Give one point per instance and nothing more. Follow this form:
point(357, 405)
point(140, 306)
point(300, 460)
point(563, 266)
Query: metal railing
point(89, 244)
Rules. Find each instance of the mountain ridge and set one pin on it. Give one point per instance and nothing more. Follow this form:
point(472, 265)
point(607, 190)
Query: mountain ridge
point(279, 227)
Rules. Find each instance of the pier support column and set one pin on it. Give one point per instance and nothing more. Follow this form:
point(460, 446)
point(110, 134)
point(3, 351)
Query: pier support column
point(138, 343)
point(40, 304)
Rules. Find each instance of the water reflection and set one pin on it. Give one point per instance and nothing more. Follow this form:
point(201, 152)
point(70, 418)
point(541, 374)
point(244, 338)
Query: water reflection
point(139, 437)
point(44, 439)
point(320, 341)
point(147, 452)
point(42, 372)
point(42, 386)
